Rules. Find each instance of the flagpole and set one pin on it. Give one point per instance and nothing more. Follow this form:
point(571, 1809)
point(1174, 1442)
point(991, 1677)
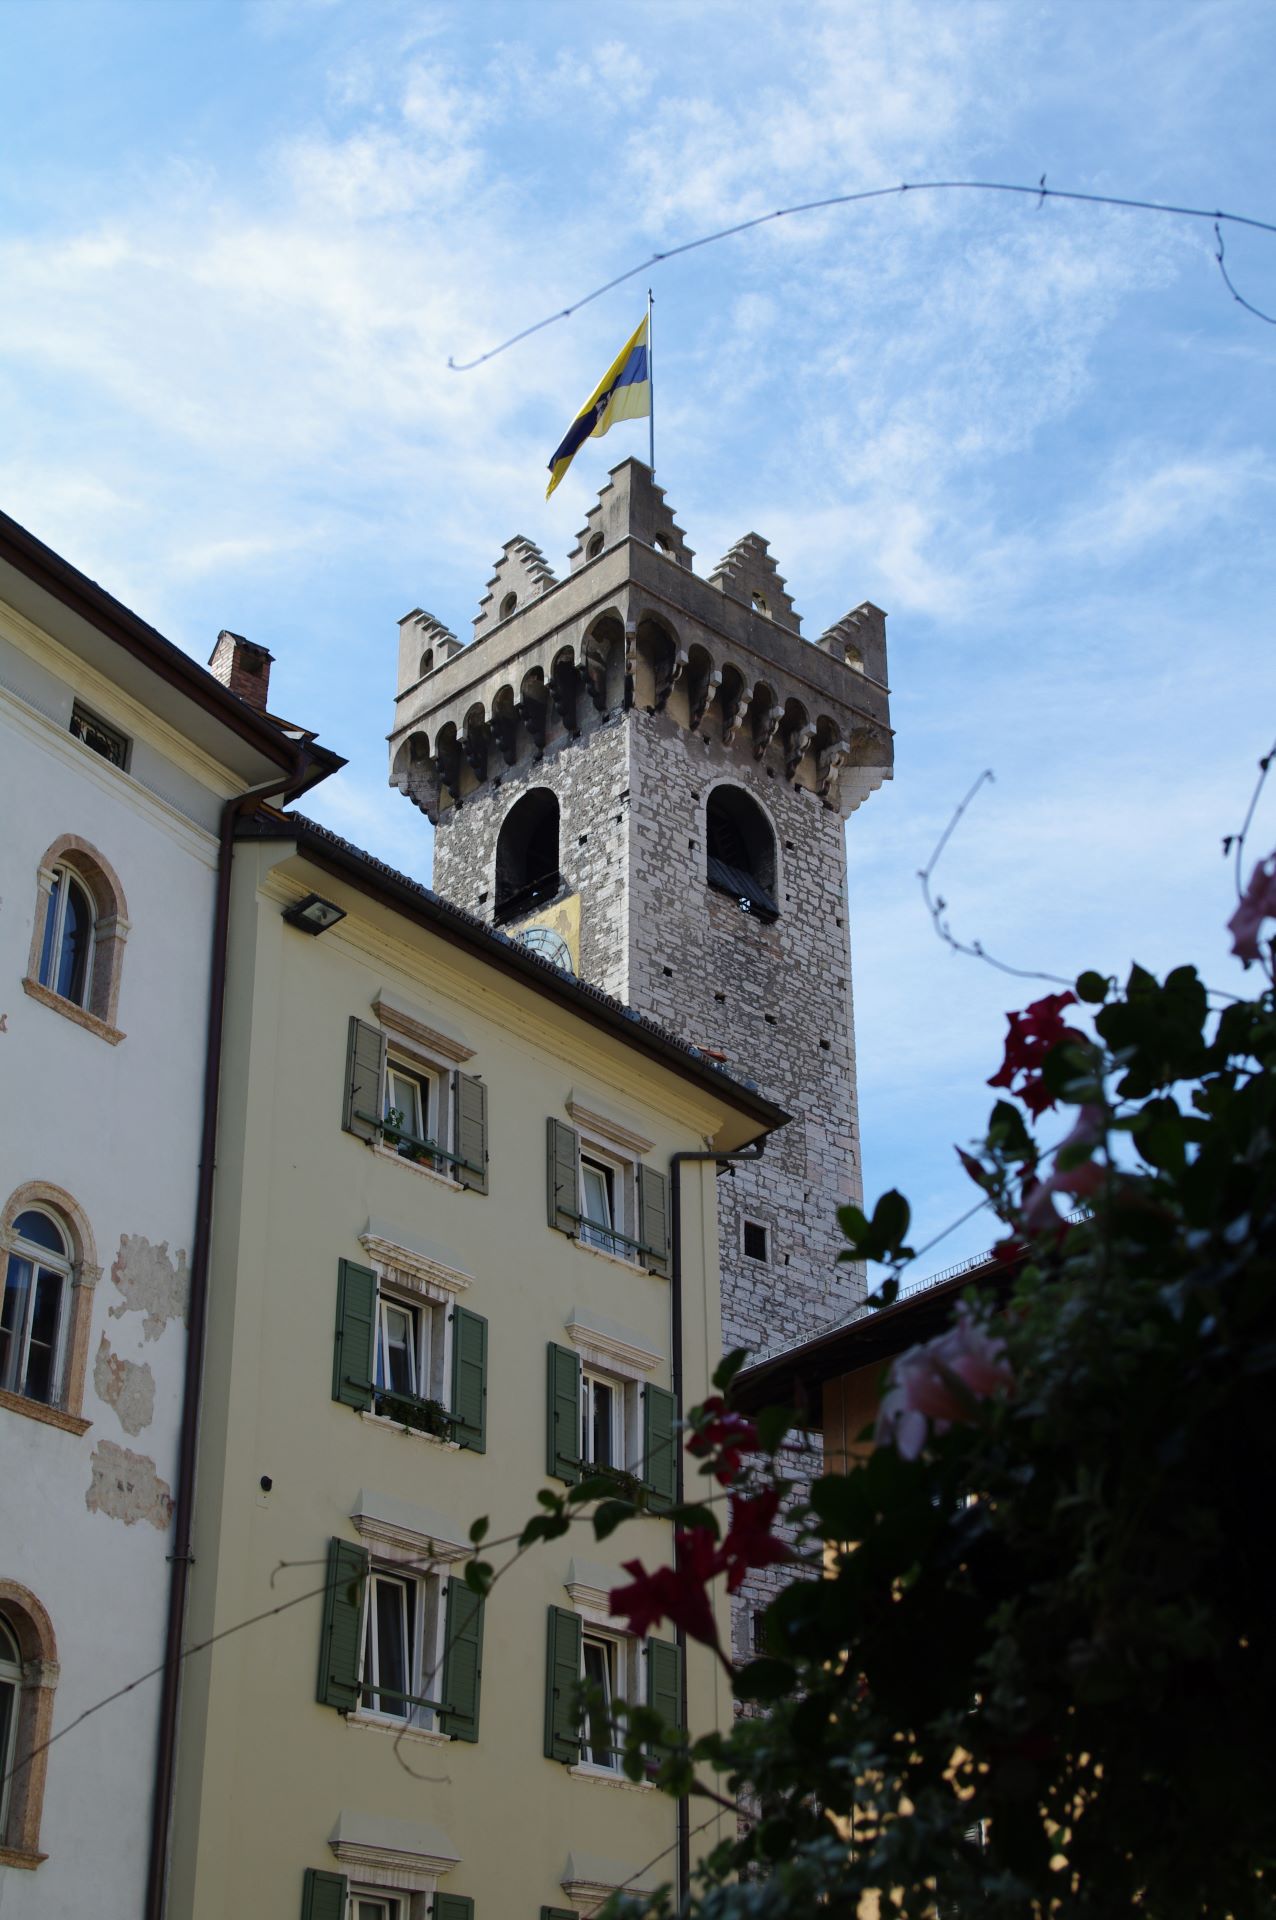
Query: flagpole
point(651, 381)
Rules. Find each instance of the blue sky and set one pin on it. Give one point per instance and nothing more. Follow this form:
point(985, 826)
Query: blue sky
point(239, 241)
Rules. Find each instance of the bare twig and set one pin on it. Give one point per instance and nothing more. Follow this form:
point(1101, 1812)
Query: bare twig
point(1236, 841)
point(937, 907)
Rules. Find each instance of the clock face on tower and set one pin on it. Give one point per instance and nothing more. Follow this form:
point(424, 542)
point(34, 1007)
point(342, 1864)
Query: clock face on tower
point(549, 945)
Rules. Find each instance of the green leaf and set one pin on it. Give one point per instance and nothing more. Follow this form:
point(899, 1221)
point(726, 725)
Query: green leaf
point(1092, 987)
point(772, 1425)
point(891, 1216)
point(729, 1366)
point(478, 1529)
point(610, 1515)
point(478, 1576)
point(693, 1514)
point(544, 1526)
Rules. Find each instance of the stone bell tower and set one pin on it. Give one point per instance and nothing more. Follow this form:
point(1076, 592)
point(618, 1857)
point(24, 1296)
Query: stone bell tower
point(653, 768)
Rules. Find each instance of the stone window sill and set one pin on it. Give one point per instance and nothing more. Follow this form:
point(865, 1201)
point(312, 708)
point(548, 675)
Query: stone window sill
point(69, 1011)
point(617, 1259)
point(415, 1433)
point(417, 1736)
point(19, 1857)
point(51, 1417)
point(418, 1166)
point(609, 1777)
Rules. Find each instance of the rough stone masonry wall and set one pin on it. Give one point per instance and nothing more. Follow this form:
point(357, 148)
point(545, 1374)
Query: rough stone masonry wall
point(591, 779)
point(775, 999)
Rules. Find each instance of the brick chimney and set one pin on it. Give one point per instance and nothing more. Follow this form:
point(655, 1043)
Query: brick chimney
point(242, 666)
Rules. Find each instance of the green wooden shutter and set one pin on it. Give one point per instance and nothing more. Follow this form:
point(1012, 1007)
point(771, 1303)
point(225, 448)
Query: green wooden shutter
point(356, 1334)
point(469, 1378)
point(455, 1906)
point(462, 1661)
point(659, 1445)
point(558, 1913)
point(469, 1131)
point(339, 1642)
point(564, 1174)
point(563, 1455)
point(562, 1687)
point(653, 1219)
point(365, 1074)
point(664, 1680)
point(323, 1896)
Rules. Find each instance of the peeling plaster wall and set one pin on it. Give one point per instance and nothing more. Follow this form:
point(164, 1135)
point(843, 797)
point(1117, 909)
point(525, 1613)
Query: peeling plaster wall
point(126, 1386)
point(150, 1283)
point(85, 1517)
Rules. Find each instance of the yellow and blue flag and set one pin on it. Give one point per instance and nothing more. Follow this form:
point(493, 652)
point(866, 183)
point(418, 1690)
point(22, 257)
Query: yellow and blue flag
point(623, 393)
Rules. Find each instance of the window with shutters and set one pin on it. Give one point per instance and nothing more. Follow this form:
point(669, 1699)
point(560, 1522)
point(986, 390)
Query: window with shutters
point(409, 1101)
point(607, 1419)
point(402, 1642)
point(594, 1667)
point(402, 1648)
point(605, 1200)
point(598, 1421)
point(405, 1350)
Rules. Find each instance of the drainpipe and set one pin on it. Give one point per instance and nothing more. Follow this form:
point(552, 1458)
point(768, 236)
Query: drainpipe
point(746, 1155)
point(181, 1558)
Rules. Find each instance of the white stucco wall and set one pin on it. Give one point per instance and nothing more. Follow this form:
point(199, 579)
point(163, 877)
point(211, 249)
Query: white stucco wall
point(116, 1126)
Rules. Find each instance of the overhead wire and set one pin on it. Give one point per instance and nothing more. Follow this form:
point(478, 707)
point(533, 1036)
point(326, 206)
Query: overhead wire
point(1040, 193)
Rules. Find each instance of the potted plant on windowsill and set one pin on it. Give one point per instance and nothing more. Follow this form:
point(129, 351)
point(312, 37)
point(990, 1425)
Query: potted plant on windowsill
point(418, 1415)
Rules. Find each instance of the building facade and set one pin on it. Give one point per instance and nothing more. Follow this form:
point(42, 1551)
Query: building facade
point(455, 1261)
point(118, 757)
point(651, 771)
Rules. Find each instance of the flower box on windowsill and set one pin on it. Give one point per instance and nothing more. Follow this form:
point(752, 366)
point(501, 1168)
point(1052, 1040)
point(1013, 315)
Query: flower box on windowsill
point(419, 1416)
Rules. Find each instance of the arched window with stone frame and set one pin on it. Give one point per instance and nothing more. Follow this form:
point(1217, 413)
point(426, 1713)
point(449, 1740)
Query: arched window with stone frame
point(28, 1676)
point(740, 851)
point(48, 1271)
point(527, 855)
point(77, 941)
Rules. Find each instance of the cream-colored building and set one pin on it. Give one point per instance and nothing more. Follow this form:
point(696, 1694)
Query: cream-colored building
point(121, 762)
point(454, 1258)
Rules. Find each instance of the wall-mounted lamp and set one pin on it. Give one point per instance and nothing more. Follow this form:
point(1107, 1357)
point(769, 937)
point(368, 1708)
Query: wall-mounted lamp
point(314, 914)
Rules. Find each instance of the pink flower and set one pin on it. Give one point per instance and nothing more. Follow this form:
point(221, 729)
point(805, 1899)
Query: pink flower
point(1034, 1034)
point(750, 1541)
point(674, 1593)
point(1079, 1180)
point(932, 1385)
point(1257, 904)
point(729, 1435)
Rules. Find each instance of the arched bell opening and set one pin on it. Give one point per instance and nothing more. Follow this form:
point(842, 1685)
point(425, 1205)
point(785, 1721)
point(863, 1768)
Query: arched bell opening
point(527, 872)
point(740, 856)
